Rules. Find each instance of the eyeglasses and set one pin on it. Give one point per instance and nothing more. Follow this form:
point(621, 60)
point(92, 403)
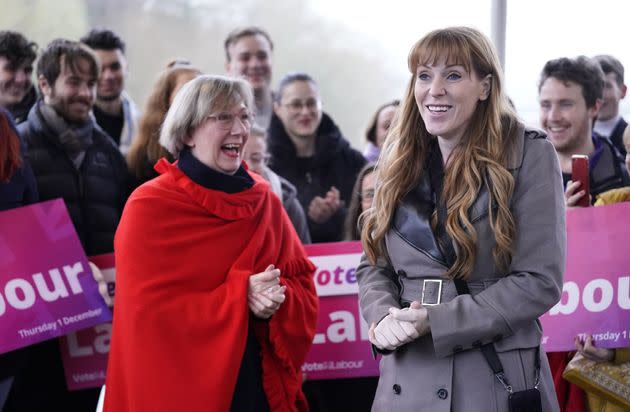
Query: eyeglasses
point(258, 159)
point(226, 120)
point(296, 106)
point(368, 194)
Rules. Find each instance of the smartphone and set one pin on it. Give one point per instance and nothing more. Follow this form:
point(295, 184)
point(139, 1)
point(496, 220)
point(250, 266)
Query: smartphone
point(579, 173)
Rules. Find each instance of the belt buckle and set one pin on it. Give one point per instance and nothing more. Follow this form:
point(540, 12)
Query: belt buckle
point(438, 299)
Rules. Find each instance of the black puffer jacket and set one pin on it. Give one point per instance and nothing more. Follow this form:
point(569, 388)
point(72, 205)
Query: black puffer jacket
point(335, 163)
point(94, 194)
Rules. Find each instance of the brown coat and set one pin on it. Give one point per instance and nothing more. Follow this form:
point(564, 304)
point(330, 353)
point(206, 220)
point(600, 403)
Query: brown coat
point(444, 371)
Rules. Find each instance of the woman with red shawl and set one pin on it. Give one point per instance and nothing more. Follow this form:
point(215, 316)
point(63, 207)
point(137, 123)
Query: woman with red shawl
point(215, 302)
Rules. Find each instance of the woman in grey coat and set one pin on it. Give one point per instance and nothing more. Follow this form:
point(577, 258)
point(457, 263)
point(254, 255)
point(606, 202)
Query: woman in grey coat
point(465, 196)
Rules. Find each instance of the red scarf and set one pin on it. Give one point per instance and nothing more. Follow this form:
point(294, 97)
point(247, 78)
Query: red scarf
point(184, 254)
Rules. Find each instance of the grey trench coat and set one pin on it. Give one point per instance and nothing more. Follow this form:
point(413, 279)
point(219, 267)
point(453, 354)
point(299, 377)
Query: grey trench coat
point(445, 371)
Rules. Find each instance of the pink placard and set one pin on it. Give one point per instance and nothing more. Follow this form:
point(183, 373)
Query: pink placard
point(84, 352)
point(595, 300)
point(46, 285)
point(340, 348)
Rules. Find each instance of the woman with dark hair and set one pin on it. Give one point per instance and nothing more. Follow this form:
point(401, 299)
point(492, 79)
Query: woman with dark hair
point(362, 196)
point(465, 244)
point(215, 302)
point(378, 128)
point(17, 188)
point(145, 150)
point(308, 149)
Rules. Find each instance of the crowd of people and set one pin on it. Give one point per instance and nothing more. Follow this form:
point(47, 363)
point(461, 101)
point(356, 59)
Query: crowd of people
point(208, 193)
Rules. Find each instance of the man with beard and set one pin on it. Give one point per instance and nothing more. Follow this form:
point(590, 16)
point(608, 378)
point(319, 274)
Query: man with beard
point(248, 53)
point(609, 122)
point(17, 93)
point(74, 159)
point(114, 110)
point(570, 94)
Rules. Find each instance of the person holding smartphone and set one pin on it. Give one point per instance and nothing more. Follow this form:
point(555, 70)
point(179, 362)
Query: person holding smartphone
point(465, 243)
point(570, 94)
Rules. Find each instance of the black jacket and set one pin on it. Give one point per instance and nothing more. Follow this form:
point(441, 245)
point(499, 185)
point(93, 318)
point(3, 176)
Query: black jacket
point(94, 194)
point(616, 137)
point(335, 163)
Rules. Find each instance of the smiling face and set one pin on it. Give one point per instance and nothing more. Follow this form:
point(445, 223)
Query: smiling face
point(73, 93)
point(447, 96)
point(613, 93)
point(300, 109)
point(111, 82)
point(250, 58)
point(15, 81)
point(564, 115)
point(218, 142)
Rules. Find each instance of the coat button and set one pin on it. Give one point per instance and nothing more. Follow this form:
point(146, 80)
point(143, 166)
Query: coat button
point(457, 348)
point(396, 389)
point(476, 343)
point(442, 393)
point(497, 338)
point(402, 273)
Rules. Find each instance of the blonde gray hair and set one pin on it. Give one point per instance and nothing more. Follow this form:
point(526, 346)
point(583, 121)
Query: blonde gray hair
point(195, 101)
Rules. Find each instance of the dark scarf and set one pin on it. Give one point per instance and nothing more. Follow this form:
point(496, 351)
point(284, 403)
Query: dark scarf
point(74, 138)
point(212, 179)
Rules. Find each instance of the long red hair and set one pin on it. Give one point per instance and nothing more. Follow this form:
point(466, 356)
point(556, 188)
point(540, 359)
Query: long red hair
point(10, 159)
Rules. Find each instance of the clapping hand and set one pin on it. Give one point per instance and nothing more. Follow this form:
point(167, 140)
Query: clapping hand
point(264, 293)
point(322, 208)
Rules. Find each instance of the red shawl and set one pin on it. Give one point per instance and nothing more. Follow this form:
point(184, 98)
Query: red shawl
point(183, 257)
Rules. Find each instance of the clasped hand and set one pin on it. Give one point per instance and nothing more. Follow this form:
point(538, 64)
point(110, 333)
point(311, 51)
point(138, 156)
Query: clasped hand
point(264, 293)
point(401, 326)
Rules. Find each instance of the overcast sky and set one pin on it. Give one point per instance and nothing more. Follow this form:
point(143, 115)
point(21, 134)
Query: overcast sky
point(537, 31)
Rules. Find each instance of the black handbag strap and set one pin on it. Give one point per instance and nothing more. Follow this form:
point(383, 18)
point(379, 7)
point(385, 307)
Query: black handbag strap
point(436, 175)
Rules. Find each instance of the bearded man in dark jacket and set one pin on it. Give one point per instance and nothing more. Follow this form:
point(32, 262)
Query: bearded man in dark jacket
point(308, 149)
point(74, 159)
